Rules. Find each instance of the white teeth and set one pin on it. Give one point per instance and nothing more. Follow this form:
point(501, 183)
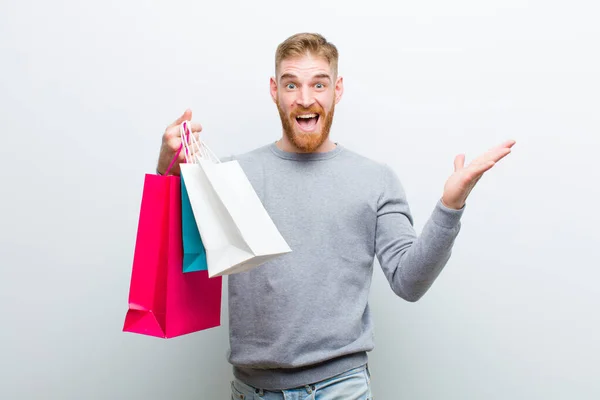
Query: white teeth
point(307, 116)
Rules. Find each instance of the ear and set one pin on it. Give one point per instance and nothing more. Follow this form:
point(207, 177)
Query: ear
point(273, 84)
point(339, 89)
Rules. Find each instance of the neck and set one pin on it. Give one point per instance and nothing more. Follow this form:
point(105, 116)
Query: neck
point(287, 146)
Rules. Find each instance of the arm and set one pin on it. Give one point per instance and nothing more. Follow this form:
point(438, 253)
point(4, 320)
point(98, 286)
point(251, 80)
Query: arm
point(410, 263)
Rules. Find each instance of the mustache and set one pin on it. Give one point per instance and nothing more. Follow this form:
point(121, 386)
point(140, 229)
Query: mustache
point(314, 109)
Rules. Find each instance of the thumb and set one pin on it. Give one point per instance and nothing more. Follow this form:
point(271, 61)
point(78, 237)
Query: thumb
point(186, 116)
point(459, 162)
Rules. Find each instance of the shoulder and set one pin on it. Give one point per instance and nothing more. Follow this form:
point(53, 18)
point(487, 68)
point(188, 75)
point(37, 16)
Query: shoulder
point(375, 174)
point(249, 156)
point(370, 167)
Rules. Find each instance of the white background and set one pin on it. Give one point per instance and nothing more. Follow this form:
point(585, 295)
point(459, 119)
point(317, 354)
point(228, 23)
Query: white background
point(87, 88)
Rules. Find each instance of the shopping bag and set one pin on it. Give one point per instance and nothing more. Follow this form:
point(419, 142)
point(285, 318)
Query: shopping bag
point(194, 255)
point(164, 301)
point(237, 232)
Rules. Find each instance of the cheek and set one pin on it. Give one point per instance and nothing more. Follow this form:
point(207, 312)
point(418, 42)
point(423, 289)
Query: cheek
point(285, 101)
point(326, 100)
point(284, 107)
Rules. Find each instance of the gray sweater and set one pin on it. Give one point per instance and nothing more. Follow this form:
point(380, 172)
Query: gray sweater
point(304, 316)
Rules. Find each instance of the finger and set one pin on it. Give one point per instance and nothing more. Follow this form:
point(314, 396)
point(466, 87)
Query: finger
point(495, 155)
point(501, 154)
point(189, 138)
point(185, 129)
point(501, 147)
point(508, 144)
point(186, 116)
point(181, 157)
point(459, 162)
point(195, 143)
point(501, 150)
point(196, 127)
point(476, 170)
point(504, 145)
point(173, 130)
point(173, 142)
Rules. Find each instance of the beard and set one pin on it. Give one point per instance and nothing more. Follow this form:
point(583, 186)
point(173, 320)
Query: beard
point(306, 142)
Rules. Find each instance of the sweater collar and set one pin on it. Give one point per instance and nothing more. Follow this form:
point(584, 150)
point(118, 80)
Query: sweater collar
point(305, 156)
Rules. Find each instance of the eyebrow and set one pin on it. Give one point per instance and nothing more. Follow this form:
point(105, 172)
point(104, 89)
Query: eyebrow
point(318, 76)
point(288, 76)
point(322, 76)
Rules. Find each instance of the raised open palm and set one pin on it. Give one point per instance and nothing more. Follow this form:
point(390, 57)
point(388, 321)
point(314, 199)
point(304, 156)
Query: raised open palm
point(463, 180)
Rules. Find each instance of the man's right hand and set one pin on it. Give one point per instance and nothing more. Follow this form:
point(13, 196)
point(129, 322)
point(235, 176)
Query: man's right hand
point(171, 141)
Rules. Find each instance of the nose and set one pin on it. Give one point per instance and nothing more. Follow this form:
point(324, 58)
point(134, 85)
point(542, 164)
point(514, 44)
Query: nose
point(305, 97)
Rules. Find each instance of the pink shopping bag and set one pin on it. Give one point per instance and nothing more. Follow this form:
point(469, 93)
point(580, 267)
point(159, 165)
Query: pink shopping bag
point(164, 301)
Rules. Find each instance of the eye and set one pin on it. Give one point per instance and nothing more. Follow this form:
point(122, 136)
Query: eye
point(290, 86)
point(320, 86)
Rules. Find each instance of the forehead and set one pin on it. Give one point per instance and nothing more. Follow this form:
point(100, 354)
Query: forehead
point(304, 66)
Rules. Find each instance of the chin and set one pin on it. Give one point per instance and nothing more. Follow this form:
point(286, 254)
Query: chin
point(308, 141)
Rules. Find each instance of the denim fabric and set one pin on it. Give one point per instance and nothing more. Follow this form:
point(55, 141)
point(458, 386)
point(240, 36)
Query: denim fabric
point(352, 385)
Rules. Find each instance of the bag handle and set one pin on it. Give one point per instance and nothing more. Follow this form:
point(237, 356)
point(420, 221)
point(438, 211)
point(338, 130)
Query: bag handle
point(173, 160)
point(181, 146)
point(197, 150)
point(185, 134)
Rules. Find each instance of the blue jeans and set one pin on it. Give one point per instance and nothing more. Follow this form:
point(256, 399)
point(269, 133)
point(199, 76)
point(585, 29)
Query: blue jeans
point(351, 385)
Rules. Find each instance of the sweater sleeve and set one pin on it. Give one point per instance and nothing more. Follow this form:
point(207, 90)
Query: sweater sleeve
point(411, 263)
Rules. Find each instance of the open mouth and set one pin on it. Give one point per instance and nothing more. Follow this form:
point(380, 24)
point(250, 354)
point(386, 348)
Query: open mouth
point(307, 122)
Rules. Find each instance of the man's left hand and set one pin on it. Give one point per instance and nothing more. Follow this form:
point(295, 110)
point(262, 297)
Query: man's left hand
point(463, 180)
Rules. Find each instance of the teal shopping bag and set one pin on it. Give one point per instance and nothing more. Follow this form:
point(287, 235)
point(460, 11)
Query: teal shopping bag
point(194, 255)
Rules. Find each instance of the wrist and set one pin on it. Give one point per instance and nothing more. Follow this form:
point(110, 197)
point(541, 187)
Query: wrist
point(452, 205)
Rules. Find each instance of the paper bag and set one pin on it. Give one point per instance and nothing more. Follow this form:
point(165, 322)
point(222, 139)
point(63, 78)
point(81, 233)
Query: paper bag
point(164, 301)
point(237, 232)
point(194, 255)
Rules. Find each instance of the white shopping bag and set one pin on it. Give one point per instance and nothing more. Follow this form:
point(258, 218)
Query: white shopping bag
point(237, 232)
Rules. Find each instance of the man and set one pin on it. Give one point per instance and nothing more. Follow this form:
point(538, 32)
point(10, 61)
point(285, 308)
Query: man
point(300, 326)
